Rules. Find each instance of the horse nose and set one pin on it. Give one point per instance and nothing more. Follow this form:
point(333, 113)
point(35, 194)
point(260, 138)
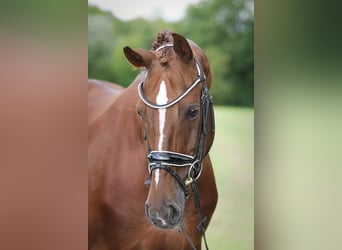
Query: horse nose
point(164, 217)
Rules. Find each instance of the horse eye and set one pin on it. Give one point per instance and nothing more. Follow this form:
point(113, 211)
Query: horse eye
point(139, 113)
point(192, 112)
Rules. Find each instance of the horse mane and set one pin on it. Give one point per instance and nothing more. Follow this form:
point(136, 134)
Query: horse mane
point(163, 37)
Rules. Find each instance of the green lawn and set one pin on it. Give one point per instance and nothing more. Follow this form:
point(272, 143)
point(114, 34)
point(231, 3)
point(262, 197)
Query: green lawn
point(232, 226)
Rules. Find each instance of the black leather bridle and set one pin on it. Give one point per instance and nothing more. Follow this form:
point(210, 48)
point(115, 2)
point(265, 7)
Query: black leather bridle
point(166, 159)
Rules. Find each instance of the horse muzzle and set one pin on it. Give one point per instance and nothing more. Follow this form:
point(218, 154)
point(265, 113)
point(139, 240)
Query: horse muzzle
point(165, 217)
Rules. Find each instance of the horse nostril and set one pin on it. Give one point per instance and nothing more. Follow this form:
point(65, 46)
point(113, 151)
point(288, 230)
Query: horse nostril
point(147, 210)
point(175, 214)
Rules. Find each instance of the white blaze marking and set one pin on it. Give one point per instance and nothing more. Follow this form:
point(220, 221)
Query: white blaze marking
point(156, 176)
point(161, 99)
point(160, 218)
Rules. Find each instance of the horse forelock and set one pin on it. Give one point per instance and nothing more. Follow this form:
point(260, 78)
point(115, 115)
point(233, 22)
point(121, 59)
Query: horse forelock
point(164, 55)
point(163, 37)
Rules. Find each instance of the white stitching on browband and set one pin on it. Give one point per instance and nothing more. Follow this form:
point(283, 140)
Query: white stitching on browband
point(163, 46)
point(189, 156)
point(167, 105)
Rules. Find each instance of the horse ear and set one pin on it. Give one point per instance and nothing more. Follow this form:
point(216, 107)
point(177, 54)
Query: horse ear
point(182, 48)
point(138, 57)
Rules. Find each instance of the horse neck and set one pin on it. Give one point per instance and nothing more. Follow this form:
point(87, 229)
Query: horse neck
point(124, 110)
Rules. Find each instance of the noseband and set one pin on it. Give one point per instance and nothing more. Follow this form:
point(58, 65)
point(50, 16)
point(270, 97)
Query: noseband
point(167, 159)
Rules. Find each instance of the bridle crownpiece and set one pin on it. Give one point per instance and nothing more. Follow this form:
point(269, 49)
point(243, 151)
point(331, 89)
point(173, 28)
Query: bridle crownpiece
point(200, 78)
point(168, 159)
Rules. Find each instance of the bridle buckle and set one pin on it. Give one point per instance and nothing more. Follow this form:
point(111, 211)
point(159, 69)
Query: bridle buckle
point(194, 172)
point(188, 181)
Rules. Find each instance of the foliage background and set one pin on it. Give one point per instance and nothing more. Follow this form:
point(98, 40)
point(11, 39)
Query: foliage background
point(224, 29)
point(232, 155)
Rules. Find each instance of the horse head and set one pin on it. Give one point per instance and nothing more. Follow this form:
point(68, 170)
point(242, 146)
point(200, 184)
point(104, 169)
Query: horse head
point(176, 110)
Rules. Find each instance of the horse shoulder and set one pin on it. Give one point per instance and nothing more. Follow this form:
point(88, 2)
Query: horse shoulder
point(101, 95)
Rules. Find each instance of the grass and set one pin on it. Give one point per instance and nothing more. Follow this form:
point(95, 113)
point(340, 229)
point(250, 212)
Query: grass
point(232, 226)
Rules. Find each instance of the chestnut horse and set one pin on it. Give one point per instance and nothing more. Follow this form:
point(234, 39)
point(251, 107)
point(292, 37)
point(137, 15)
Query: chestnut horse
point(151, 183)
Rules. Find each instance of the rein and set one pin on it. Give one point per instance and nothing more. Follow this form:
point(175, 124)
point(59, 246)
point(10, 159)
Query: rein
point(166, 159)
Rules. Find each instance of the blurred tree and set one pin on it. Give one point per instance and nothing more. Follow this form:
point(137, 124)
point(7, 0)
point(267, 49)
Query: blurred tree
point(107, 36)
point(224, 29)
point(101, 34)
